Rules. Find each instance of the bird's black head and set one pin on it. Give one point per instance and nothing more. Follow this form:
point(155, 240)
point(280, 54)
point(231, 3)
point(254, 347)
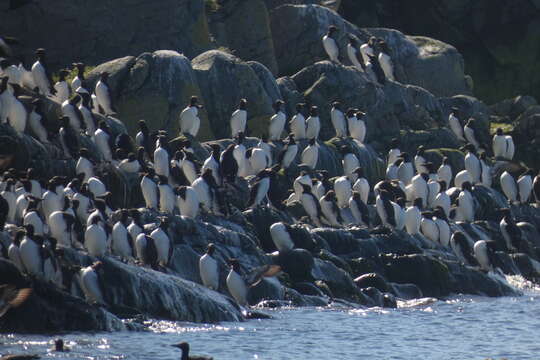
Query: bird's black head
point(210, 249)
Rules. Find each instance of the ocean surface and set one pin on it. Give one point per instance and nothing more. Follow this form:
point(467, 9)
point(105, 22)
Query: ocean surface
point(462, 327)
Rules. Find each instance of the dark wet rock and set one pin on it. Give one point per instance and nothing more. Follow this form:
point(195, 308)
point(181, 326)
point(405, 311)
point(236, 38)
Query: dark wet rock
point(224, 79)
point(108, 29)
point(527, 134)
point(155, 87)
point(372, 280)
point(429, 274)
point(339, 281)
point(50, 309)
point(418, 60)
point(529, 268)
point(497, 42)
point(243, 26)
point(290, 94)
point(509, 110)
point(336, 260)
point(297, 263)
point(406, 291)
point(307, 288)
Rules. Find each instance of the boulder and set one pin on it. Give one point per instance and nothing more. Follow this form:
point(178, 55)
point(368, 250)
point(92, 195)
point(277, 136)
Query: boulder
point(388, 108)
point(434, 65)
point(498, 43)
point(225, 79)
point(108, 29)
point(155, 87)
point(244, 27)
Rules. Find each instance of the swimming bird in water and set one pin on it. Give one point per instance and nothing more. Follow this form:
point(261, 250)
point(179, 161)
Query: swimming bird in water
point(184, 346)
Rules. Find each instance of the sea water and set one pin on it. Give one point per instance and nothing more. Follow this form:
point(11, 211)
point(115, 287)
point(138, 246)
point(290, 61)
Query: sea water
point(461, 327)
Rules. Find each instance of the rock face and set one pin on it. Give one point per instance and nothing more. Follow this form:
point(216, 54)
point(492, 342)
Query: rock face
point(155, 87)
point(497, 40)
point(429, 63)
point(106, 30)
point(224, 79)
point(249, 35)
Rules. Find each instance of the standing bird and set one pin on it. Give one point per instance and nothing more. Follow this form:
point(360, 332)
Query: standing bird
point(354, 53)
point(510, 231)
point(394, 152)
point(406, 169)
point(149, 189)
point(469, 133)
point(166, 196)
point(85, 108)
point(227, 165)
point(187, 201)
point(238, 286)
point(208, 268)
point(357, 126)
point(161, 158)
point(288, 153)
point(338, 120)
point(455, 124)
point(78, 80)
point(189, 118)
point(41, 75)
point(343, 190)
point(503, 145)
point(485, 178)
point(465, 201)
point(212, 162)
point(509, 187)
point(420, 160)
point(104, 94)
point(12, 110)
point(277, 121)
point(62, 87)
point(102, 139)
point(163, 243)
point(350, 162)
point(359, 209)
point(311, 205)
point(361, 185)
point(441, 221)
point(281, 236)
point(258, 160)
point(30, 251)
point(413, 217)
point(95, 238)
point(239, 119)
point(472, 164)
point(444, 173)
point(525, 186)
point(310, 155)
point(68, 138)
point(144, 139)
point(206, 189)
point(461, 247)
point(386, 61)
point(298, 123)
point(386, 209)
point(121, 240)
point(72, 111)
point(330, 45)
point(37, 122)
point(329, 208)
point(313, 124)
point(91, 283)
point(368, 49)
point(259, 190)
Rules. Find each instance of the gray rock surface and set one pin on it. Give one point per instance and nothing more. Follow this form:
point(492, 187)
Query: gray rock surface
point(107, 30)
point(225, 79)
